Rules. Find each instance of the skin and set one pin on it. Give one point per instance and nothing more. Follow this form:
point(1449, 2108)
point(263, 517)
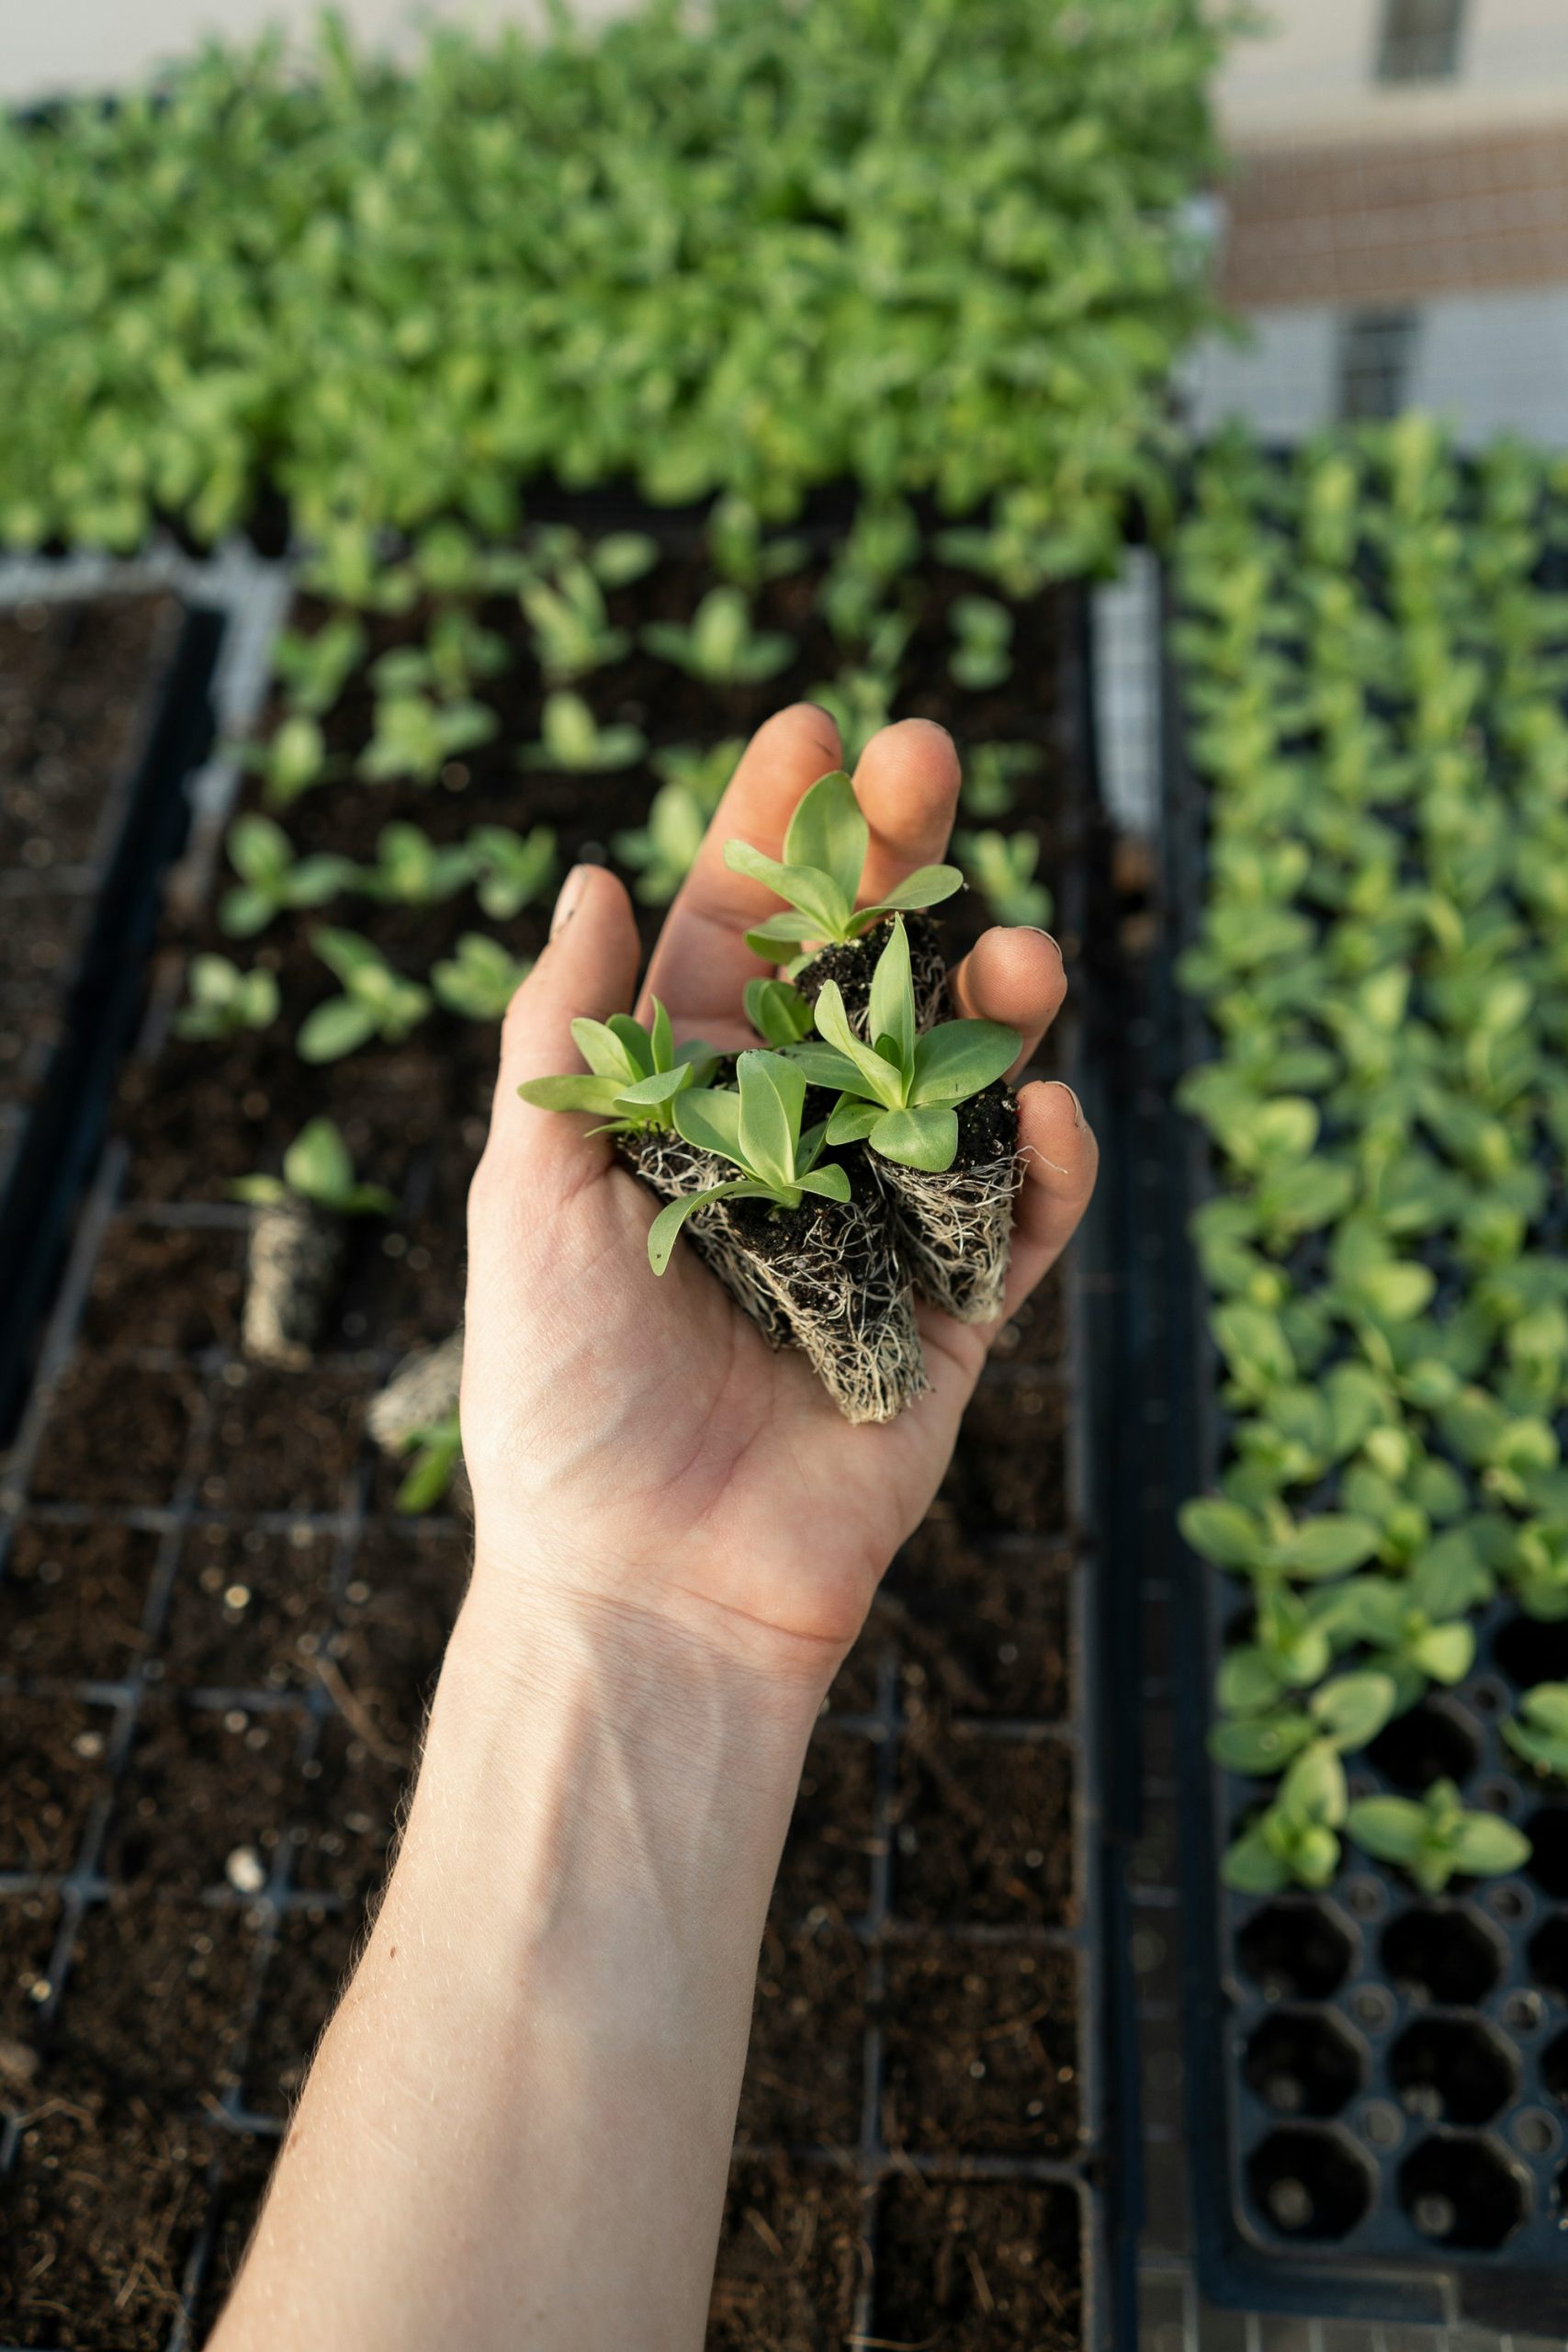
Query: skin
point(516, 2131)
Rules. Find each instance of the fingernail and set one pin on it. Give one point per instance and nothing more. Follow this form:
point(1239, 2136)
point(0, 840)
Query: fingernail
point(1078, 1106)
point(1040, 932)
point(566, 905)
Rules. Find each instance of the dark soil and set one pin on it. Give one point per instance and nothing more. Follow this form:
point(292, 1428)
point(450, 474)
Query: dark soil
point(280, 1441)
point(805, 2067)
point(308, 1969)
point(833, 1836)
point(51, 1768)
point(155, 1998)
point(73, 1600)
point(71, 682)
point(987, 1128)
point(201, 1785)
point(249, 1610)
point(115, 1435)
point(852, 966)
point(29, 1925)
point(984, 1624)
point(352, 1806)
point(395, 1619)
point(1011, 1468)
point(978, 2267)
point(986, 1831)
point(791, 2259)
point(981, 2049)
point(166, 1286)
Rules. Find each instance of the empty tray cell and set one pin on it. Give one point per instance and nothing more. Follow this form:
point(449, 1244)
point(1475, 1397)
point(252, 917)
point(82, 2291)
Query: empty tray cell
point(280, 1441)
point(981, 2049)
point(978, 2267)
point(249, 1609)
point(1554, 2068)
point(1548, 1864)
point(1443, 1951)
point(73, 1600)
point(1435, 1741)
point(205, 1796)
point(1310, 2183)
point(792, 2255)
point(985, 1627)
point(116, 1434)
point(984, 1831)
point(1453, 2070)
point(1548, 1957)
point(29, 1929)
point(1011, 1468)
point(1529, 1651)
point(306, 1971)
point(397, 1615)
point(1297, 1949)
point(154, 1995)
point(52, 1760)
point(833, 1836)
point(805, 2070)
point(1303, 2062)
point(1461, 2190)
point(351, 1799)
point(174, 1286)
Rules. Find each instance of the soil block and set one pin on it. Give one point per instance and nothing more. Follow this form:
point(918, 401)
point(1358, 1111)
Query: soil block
point(202, 1787)
point(804, 2071)
point(981, 2049)
point(986, 1830)
point(985, 1623)
point(51, 1768)
point(792, 2255)
point(978, 2267)
point(166, 1286)
point(73, 1600)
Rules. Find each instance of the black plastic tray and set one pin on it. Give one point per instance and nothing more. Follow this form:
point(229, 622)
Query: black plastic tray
point(1309, 2033)
point(46, 1150)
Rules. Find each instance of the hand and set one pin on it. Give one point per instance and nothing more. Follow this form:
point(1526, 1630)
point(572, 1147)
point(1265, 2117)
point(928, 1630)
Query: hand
point(632, 1443)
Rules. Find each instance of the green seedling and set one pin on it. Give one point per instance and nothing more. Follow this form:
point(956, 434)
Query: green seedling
point(411, 871)
point(1267, 1544)
point(572, 740)
point(991, 773)
point(437, 1450)
point(223, 1000)
point(860, 703)
point(1002, 867)
point(1348, 1711)
point(825, 851)
point(982, 651)
point(899, 1095)
point(317, 1167)
point(757, 1129)
point(1434, 1838)
point(778, 1013)
point(635, 1075)
point(376, 1002)
point(273, 881)
point(314, 670)
point(291, 762)
point(1539, 1729)
point(1414, 1626)
point(415, 738)
point(720, 645)
point(456, 650)
point(480, 981)
point(570, 624)
point(1295, 1841)
point(661, 853)
point(513, 869)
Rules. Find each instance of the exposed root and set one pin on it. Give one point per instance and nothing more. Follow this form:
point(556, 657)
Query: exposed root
point(423, 1391)
point(954, 1231)
point(292, 1264)
point(852, 966)
point(835, 1272)
point(672, 1168)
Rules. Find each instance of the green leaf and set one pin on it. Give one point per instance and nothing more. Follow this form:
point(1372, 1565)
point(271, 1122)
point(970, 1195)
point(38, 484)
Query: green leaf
point(1445, 1652)
point(338, 1027)
point(961, 1059)
point(597, 1094)
point(777, 1012)
point(1222, 1531)
point(772, 1096)
point(873, 1076)
point(926, 1139)
point(1329, 1546)
point(816, 896)
point(259, 851)
point(316, 1164)
point(852, 1122)
point(709, 1118)
point(828, 831)
point(1252, 1744)
point(890, 1020)
point(825, 1065)
point(1353, 1708)
point(661, 1038)
point(1252, 1867)
point(1485, 1847)
point(1246, 1682)
point(927, 887)
point(666, 1227)
point(1313, 1789)
point(832, 1183)
point(781, 930)
point(636, 1042)
point(1390, 1827)
point(605, 1051)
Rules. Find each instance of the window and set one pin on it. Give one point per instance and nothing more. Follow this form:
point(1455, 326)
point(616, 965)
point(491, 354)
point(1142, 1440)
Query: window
point(1419, 41)
point(1376, 352)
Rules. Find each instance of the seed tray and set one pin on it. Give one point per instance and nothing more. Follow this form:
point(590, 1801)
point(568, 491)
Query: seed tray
point(107, 900)
point(1377, 2081)
point(1063, 2208)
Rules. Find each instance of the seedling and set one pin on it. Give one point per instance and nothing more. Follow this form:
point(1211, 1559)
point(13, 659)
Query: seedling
point(415, 738)
point(720, 645)
point(273, 881)
point(982, 653)
point(513, 869)
point(860, 703)
point(317, 1167)
point(480, 981)
point(634, 1074)
point(660, 854)
point(757, 1129)
point(990, 772)
point(297, 1241)
point(1347, 1711)
point(1002, 866)
point(292, 761)
point(376, 1002)
point(778, 1013)
point(455, 651)
point(1295, 1840)
point(571, 630)
point(223, 1000)
point(1436, 1840)
point(825, 851)
point(314, 670)
point(1539, 1730)
point(411, 871)
point(438, 1452)
point(572, 740)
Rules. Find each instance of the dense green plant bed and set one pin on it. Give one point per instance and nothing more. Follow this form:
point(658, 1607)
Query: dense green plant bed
point(1372, 649)
point(904, 243)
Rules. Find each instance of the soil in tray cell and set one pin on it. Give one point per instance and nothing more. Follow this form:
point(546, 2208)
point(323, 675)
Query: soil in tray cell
point(985, 1627)
point(71, 680)
point(156, 1998)
point(352, 1795)
point(52, 1754)
point(396, 1615)
point(205, 1797)
point(245, 2167)
point(280, 1441)
point(978, 2267)
point(249, 1610)
point(166, 1286)
point(1009, 1470)
point(791, 2256)
point(1037, 1333)
point(308, 1969)
point(401, 1289)
point(116, 1434)
point(806, 2064)
point(72, 1599)
point(29, 1925)
point(833, 1836)
point(98, 2216)
point(984, 1831)
point(980, 2046)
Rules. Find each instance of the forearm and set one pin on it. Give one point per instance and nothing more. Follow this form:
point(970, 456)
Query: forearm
point(517, 2128)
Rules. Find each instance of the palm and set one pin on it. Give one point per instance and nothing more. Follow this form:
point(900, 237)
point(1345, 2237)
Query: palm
point(643, 1429)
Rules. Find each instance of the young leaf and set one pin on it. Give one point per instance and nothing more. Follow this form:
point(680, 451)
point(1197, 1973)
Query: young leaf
point(710, 1118)
point(599, 1095)
point(828, 831)
point(891, 1017)
point(960, 1059)
point(927, 887)
point(777, 1012)
point(925, 1139)
point(665, 1229)
point(772, 1095)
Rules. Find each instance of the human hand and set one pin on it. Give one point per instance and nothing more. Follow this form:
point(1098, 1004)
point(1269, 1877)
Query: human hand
point(634, 1444)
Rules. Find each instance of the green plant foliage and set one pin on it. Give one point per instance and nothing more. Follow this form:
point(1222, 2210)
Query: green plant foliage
point(1373, 674)
point(437, 1450)
point(1295, 1842)
point(570, 624)
point(718, 644)
point(1437, 1839)
point(662, 852)
point(1539, 1729)
point(898, 1095)
point(860, 704)
point(317, 1167)
point(982, 643)
point(292, 759)
point(778, 1013)
point(749, 250)
point(825, 850)
point(410, 871)
point(480, 981)
point(572, 739)
point(513, 869)
point(635, 1075)
point(757, 1129)
point(312, 671)
point(273, 881)
point(415, 736)
point(1002, 868)
point(990, 772)
point(376, 1000)
point(223, 1000)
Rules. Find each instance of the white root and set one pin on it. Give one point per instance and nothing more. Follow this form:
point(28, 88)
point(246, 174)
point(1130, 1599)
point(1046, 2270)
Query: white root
point(671, 1168)
point(421, 1392)
point(955, 1231)
point(848, 1301)
point(292, 1263)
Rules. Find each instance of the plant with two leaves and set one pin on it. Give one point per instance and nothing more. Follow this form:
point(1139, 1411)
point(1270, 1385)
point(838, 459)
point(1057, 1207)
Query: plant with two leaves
point(819, 877)
point(223, 1000)
point(455, 652)
point(660, 851)
point(273, 881)
point(411, 871)
point(718, 645)
point(941, 1126)
point(1434, 1838)
point(982, 643)
point(481, 979)
point(1538, 1729)
point(415, 737)
point(298, 1239)
point(1002, 868)
point(571, 739)
point(1295, 1839)
point(1346, 1711)
point(314, 669)
point(376, 1002)
point(634, 1075)
point(512, 869)
point(292, 761)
